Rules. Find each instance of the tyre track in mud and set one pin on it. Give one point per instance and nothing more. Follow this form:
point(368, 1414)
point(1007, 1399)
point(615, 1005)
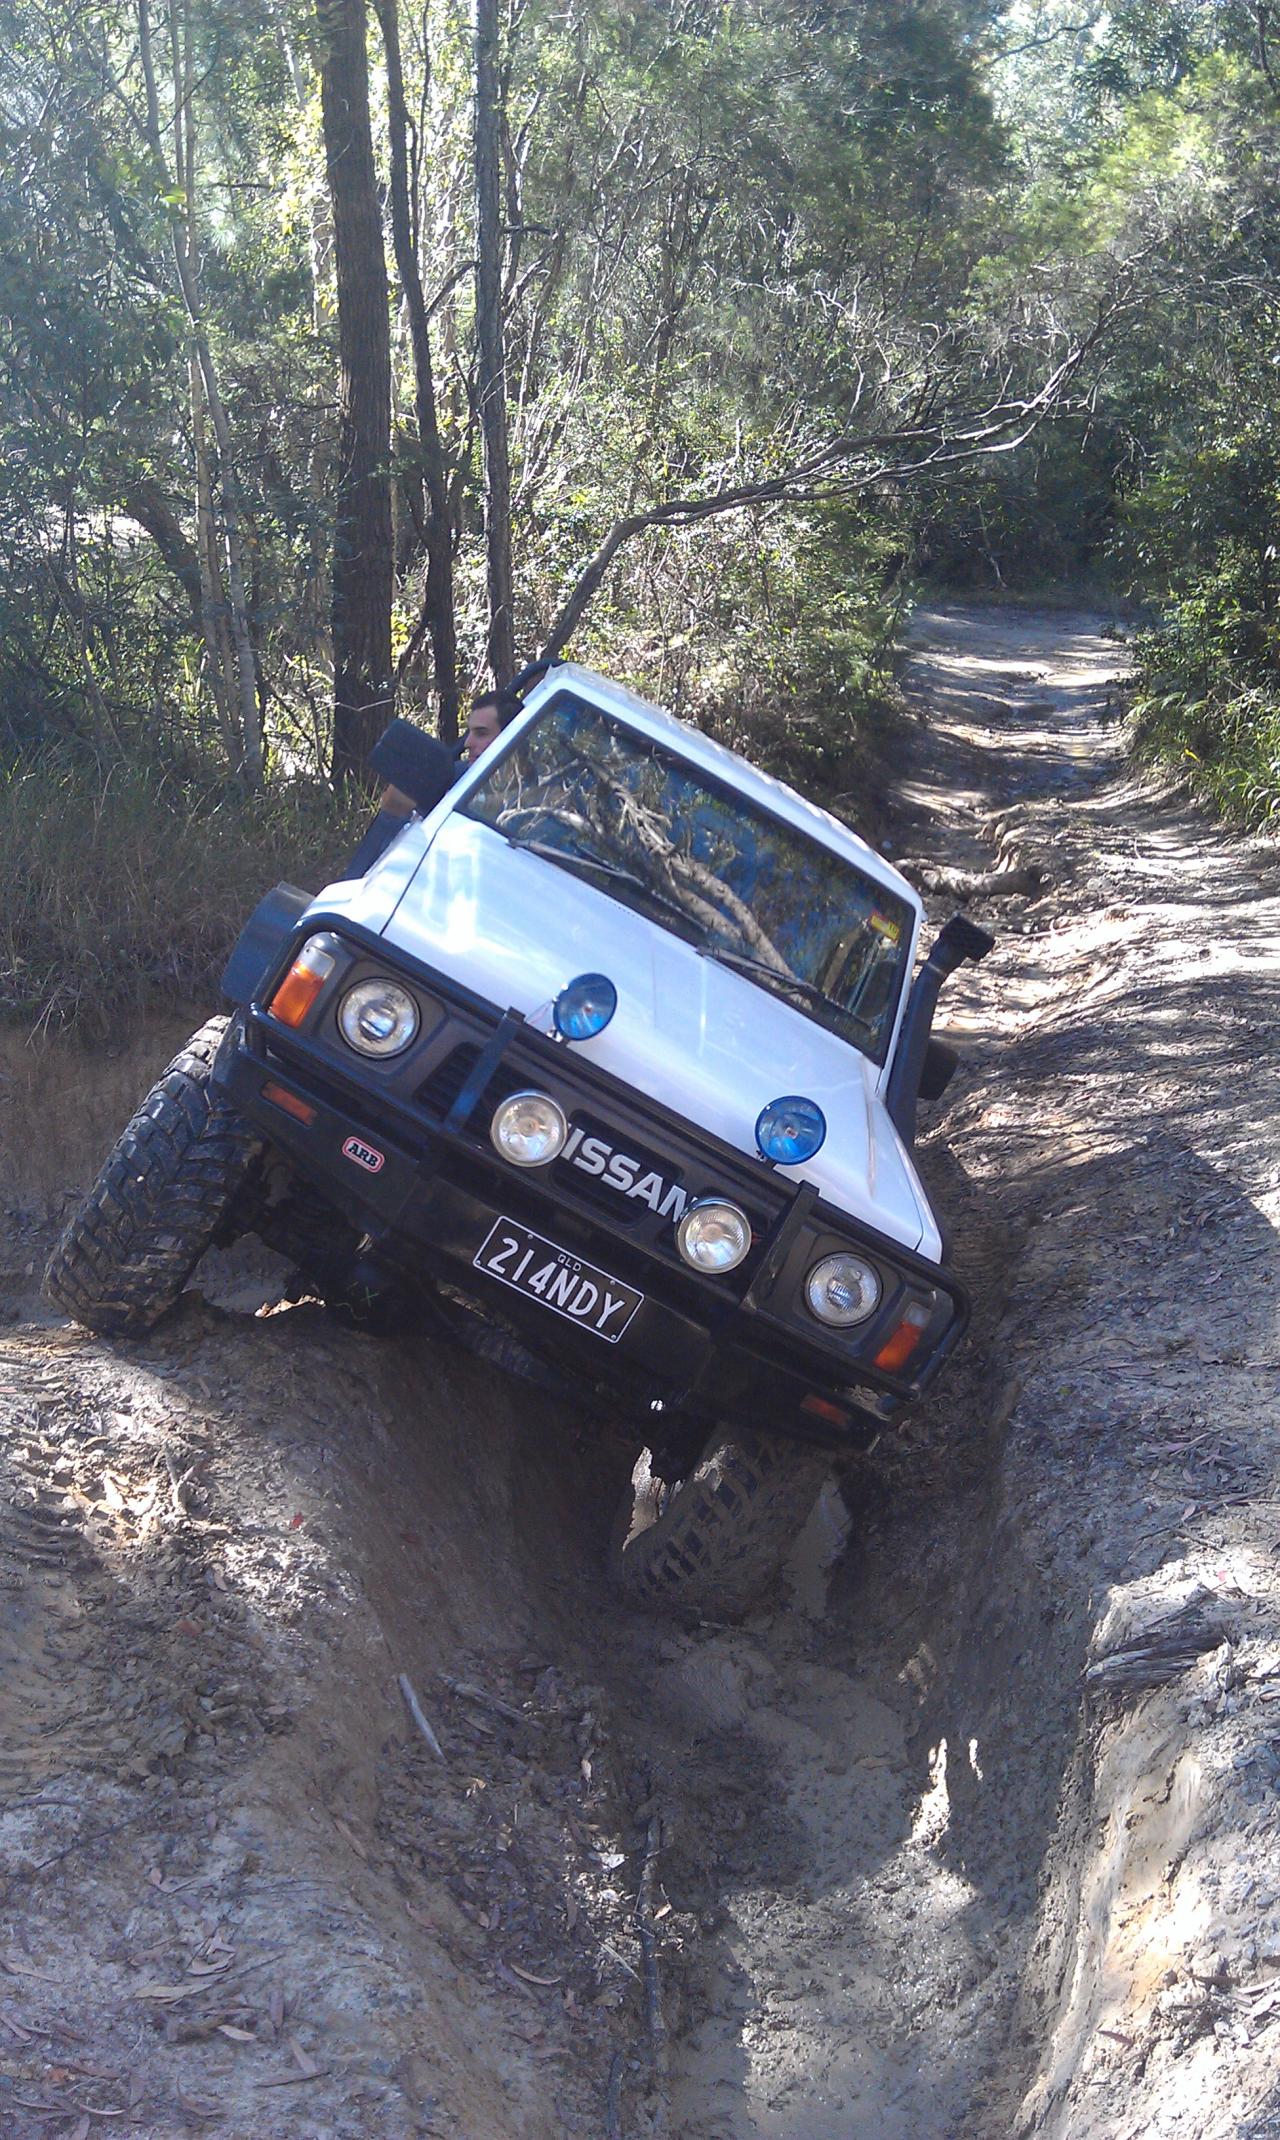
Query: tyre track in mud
point(984, 1848)
point(242, 1894)
point(976, 1839)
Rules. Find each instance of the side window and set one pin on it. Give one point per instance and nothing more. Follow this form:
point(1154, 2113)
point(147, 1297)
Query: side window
point(532, 785)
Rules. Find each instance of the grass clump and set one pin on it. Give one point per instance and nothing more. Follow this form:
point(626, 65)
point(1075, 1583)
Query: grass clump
point(1229, 747)
point(1207, 700)
point(124, 889)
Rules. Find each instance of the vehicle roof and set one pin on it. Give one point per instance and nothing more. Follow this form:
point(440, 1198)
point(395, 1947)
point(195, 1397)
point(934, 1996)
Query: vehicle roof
point(726, 765)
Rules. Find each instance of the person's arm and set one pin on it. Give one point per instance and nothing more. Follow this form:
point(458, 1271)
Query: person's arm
point(395, 808)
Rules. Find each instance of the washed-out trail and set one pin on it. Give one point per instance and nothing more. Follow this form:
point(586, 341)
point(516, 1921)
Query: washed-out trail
point(975, 1836)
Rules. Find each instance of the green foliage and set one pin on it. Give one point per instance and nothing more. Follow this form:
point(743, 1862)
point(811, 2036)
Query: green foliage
point(759, 222)
point(97, 634)
point(1149, 141)
point(733, 231)
point(1035, 519)
point(773, 632)
point(1228, 745)
point(1208, 688)
point(733, 235)
point(1199, 504)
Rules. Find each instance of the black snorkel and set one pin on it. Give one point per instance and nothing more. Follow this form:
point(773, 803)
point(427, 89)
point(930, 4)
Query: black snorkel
point(921, 1065)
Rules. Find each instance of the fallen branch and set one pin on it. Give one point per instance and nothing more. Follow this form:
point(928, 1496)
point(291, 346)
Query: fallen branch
point(1025, 883)
point(1163, 1653)
point(613, 2106)
point(849, 465)
point(649, 1947)
point(415, 1709)
point(467, 1691)
point(620, 1959)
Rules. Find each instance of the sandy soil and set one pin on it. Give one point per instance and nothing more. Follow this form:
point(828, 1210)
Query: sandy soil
point(976, 1836)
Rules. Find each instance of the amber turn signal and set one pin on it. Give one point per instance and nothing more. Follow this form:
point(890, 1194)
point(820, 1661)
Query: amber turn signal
point(280, 1096)
point(822, 1408)
point(304, 981)
point(897, 1349)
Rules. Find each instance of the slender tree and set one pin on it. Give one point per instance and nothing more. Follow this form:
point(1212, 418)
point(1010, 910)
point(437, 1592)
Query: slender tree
point(437, 620)
point(363, 550)
point(229, 644)
point(490, 339)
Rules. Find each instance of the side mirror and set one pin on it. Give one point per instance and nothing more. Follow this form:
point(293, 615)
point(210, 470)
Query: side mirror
point(419, 765)
point(940, 1066)
point(420, 770)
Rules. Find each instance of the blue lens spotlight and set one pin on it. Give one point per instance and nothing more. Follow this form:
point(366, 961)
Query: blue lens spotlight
point(584, 1007)
point(790, 1129)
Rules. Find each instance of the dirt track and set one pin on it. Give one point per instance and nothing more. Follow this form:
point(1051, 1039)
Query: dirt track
point(982, 1843)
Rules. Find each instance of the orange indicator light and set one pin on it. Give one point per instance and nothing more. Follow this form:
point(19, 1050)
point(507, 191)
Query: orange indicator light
point(822, 1408)
point(280, 1096)
point(897, 1349)
point(304, 981)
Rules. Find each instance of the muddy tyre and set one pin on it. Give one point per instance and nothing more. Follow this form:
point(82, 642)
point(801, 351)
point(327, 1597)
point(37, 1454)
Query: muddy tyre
point(170, 1186)
point(718, 1539)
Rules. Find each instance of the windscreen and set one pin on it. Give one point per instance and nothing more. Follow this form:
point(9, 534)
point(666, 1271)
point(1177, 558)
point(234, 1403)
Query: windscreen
point(653, 831)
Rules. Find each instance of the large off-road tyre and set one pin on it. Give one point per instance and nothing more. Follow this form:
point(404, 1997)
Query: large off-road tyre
point(172, 1183)
point(716, 1540)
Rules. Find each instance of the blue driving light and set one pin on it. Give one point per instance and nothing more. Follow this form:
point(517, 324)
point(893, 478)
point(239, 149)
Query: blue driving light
point(584, 1007)
point(790, 1129)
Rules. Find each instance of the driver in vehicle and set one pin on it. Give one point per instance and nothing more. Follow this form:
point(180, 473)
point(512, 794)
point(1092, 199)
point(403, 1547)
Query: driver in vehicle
point(489, 716)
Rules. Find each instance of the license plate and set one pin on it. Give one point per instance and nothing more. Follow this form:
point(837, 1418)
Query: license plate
point(561, 1281)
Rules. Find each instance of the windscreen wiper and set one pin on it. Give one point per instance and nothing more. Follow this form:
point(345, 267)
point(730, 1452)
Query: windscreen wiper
point(774, 977)
point(586, 858)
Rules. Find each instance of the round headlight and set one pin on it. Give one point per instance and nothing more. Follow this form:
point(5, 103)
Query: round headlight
point(528, 1129)
point(790, 1129)
point(584, 1007)
point(713, 1236)
point(378, 1018)
point(842, 1290)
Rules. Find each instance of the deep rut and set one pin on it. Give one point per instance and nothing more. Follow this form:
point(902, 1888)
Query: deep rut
point(975, 1839)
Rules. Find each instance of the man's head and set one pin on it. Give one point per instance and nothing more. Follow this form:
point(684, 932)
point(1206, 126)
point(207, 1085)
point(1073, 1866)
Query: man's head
point(489, 716)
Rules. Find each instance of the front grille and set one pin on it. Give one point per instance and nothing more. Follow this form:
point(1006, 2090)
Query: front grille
point(438, 1092)
point(592, 1193)
point(601, 1195)
point(440, 1088)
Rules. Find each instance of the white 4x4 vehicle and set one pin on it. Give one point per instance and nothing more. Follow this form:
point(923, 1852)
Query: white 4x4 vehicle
point(615, 1048)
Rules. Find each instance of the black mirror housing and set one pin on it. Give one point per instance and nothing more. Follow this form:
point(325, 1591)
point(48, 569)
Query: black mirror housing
point(419, 765)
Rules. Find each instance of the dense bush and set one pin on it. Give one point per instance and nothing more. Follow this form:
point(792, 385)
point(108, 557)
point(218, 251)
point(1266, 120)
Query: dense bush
point(1208, 699)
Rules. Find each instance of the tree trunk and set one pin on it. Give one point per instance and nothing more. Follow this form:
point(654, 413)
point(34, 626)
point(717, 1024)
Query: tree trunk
point(220, 671)
point(489, 337)
point(319, 226)
point(363, 553)
point(437, 606)
point(186, 263)
point(312, 615)
point(145, 502)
